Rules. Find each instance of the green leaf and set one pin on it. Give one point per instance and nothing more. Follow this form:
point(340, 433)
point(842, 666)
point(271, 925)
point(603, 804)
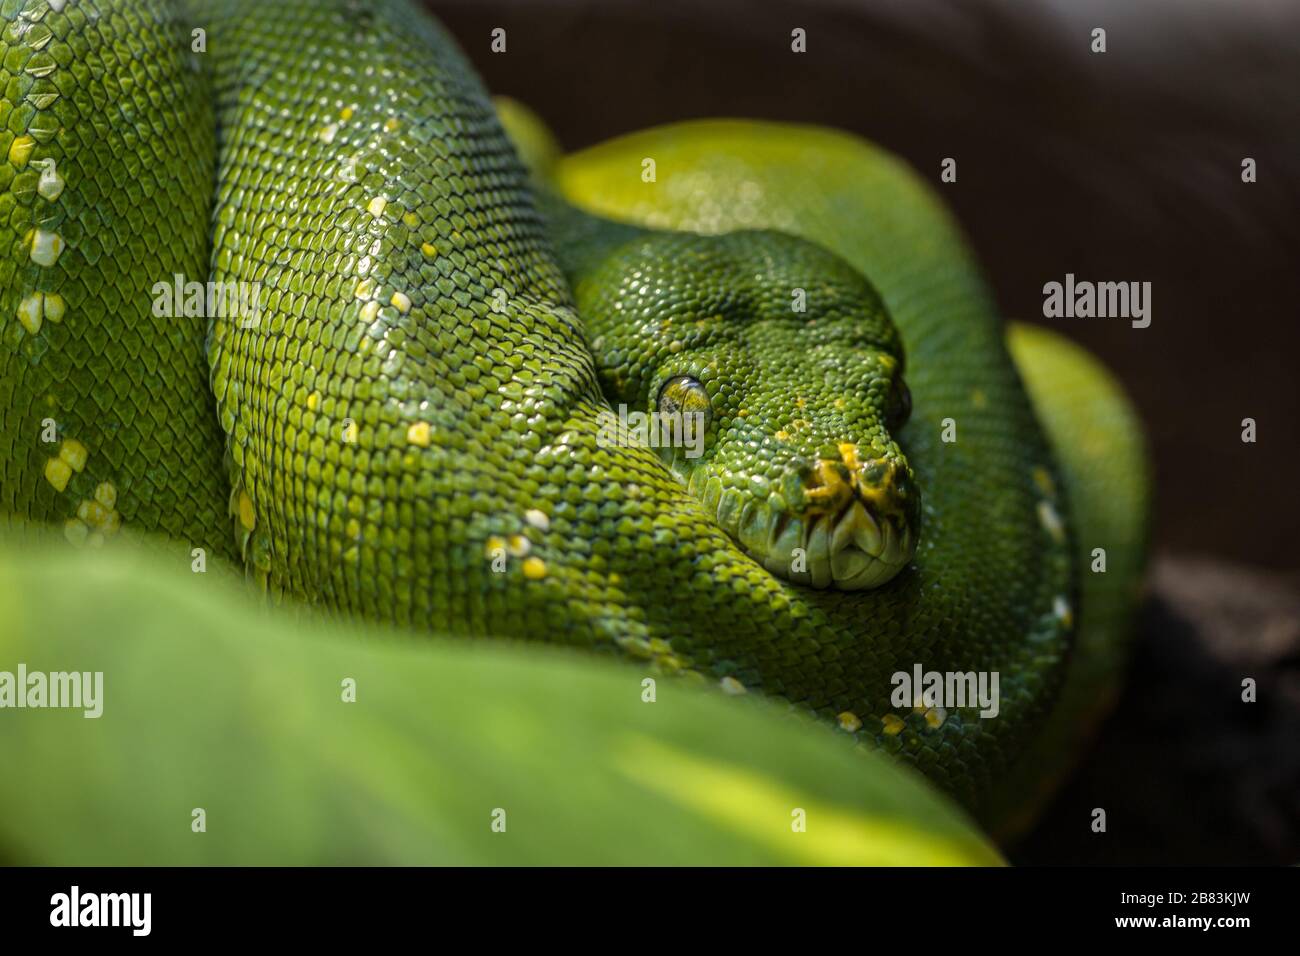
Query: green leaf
point(211, 702)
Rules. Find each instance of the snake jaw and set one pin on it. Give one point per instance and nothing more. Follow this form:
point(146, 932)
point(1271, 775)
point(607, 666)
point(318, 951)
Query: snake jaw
point(850, 551)
point(856, 529)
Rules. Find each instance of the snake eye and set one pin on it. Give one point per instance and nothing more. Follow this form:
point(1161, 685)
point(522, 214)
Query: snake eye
point(900, 405)
point(687, 396)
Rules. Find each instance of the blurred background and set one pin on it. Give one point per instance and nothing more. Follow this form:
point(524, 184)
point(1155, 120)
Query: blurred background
point(1117, 166)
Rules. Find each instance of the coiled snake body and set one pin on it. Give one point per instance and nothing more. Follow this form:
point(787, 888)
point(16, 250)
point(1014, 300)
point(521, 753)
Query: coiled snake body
point(409, 429)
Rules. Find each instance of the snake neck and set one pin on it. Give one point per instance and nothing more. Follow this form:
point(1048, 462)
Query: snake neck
point(582, 241)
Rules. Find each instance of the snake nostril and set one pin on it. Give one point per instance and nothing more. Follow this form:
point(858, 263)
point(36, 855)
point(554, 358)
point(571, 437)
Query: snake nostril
point(887, 489)
point(807, 472)
point(828, 485)
point(876, 473)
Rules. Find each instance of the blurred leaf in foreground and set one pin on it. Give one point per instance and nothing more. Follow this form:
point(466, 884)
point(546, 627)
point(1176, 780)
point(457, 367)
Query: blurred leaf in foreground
point(453, 752)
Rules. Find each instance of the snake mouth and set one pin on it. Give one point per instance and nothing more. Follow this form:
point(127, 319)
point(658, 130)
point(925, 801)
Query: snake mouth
point(851, 550)
point(853, 527)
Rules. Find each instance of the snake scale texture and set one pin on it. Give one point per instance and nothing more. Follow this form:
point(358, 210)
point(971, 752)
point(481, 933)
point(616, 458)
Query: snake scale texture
point(412, 428)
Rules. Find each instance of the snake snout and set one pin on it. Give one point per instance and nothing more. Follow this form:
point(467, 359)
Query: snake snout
point(850, 525)
point(862, 514)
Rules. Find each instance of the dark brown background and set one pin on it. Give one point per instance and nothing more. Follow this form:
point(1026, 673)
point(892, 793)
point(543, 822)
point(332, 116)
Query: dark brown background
point(1117, 166)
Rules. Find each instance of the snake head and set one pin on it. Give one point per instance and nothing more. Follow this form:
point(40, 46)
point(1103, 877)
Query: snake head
point(787, 361)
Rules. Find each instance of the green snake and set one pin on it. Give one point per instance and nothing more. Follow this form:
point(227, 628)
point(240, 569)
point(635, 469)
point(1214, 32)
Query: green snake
point(413, 427)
